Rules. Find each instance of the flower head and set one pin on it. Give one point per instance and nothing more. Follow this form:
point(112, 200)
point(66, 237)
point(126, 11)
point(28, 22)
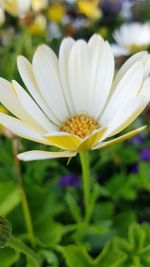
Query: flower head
point(16, 7)
point(131, 38)
point(70, 180)
point(2, 16)
point(56, 12)
point(133, 168)
point(5, 231)
point(38, 5)
point(145, 154)
point(89, 8)
point(110, 7)
point(38, 27)
point(75, 102)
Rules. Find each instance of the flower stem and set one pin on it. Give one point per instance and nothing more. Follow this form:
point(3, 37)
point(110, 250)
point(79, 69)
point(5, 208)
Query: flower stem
point(25, 206)
point(84, 158)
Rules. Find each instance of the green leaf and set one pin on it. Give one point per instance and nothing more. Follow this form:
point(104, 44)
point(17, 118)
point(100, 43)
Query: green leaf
point(49, 257)
point(73, 207)
point(9, 197)
point(49, 232)
point(78, 256)
point(110, 256)
point(137, 236)
point(136, 247)
point(143, 179)
point(8, 257)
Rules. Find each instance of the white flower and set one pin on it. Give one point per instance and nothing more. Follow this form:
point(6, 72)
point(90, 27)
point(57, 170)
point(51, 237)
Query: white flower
point(75, 103)
point(2, 16)
point(38, 5)
point(16, 7)
point(131, 38)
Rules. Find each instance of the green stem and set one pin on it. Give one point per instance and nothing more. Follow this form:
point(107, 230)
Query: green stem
point(21, 247)
point(84, 158)
point(24, 201)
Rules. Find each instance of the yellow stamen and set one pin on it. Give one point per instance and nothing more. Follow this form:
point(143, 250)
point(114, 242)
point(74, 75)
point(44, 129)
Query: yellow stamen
point(80, 125)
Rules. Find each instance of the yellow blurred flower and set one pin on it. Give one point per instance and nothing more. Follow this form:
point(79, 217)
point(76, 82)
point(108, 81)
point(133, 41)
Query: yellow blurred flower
point(89, 8)
point(38, 5)
point(56, 12)
point(38, 26)
point(103, 31)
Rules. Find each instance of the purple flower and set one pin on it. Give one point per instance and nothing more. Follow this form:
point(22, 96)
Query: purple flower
point(134, 168)
point(138, 139)
point(111, 6)
point(145, 154)
point(70, 180)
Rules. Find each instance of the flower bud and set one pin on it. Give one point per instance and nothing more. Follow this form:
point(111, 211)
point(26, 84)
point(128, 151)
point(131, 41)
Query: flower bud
point(5, 231)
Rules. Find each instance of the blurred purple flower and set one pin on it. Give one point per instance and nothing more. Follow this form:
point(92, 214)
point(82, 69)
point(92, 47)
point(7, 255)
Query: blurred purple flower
point(134, 168)
point(145, 154)
point(70, 180)
point(138, 139)
point(111, 6)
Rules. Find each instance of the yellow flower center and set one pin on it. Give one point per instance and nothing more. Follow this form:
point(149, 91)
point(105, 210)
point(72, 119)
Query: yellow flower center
point(81, 125)
point(136, 48)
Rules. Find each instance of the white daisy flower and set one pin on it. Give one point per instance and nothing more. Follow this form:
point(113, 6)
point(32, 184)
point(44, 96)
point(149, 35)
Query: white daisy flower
point(131, 38)
point(75, 103)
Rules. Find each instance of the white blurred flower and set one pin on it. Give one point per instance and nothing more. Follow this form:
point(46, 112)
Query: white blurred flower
point(54, 31)
point(16, 7)
point(75, 103)
point(126, 11)
point(131, 38)
point(38, 5)
point(2, 16)
point(38, 26)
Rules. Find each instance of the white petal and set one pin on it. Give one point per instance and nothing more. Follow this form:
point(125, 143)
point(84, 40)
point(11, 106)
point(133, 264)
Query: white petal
point(145, 90)
point(141, 56)
point(101, 74)
point(147, 66)
point(21, 129)
point(119, 51)
point(127, 88)
point(125, 116)
point(46, 70)
point(9, 99)
point(27, 75)
point(79, 63)
point(119, 139)
point(31, 107)
point(23, 6)
point(40, 155)
point(64, 53)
